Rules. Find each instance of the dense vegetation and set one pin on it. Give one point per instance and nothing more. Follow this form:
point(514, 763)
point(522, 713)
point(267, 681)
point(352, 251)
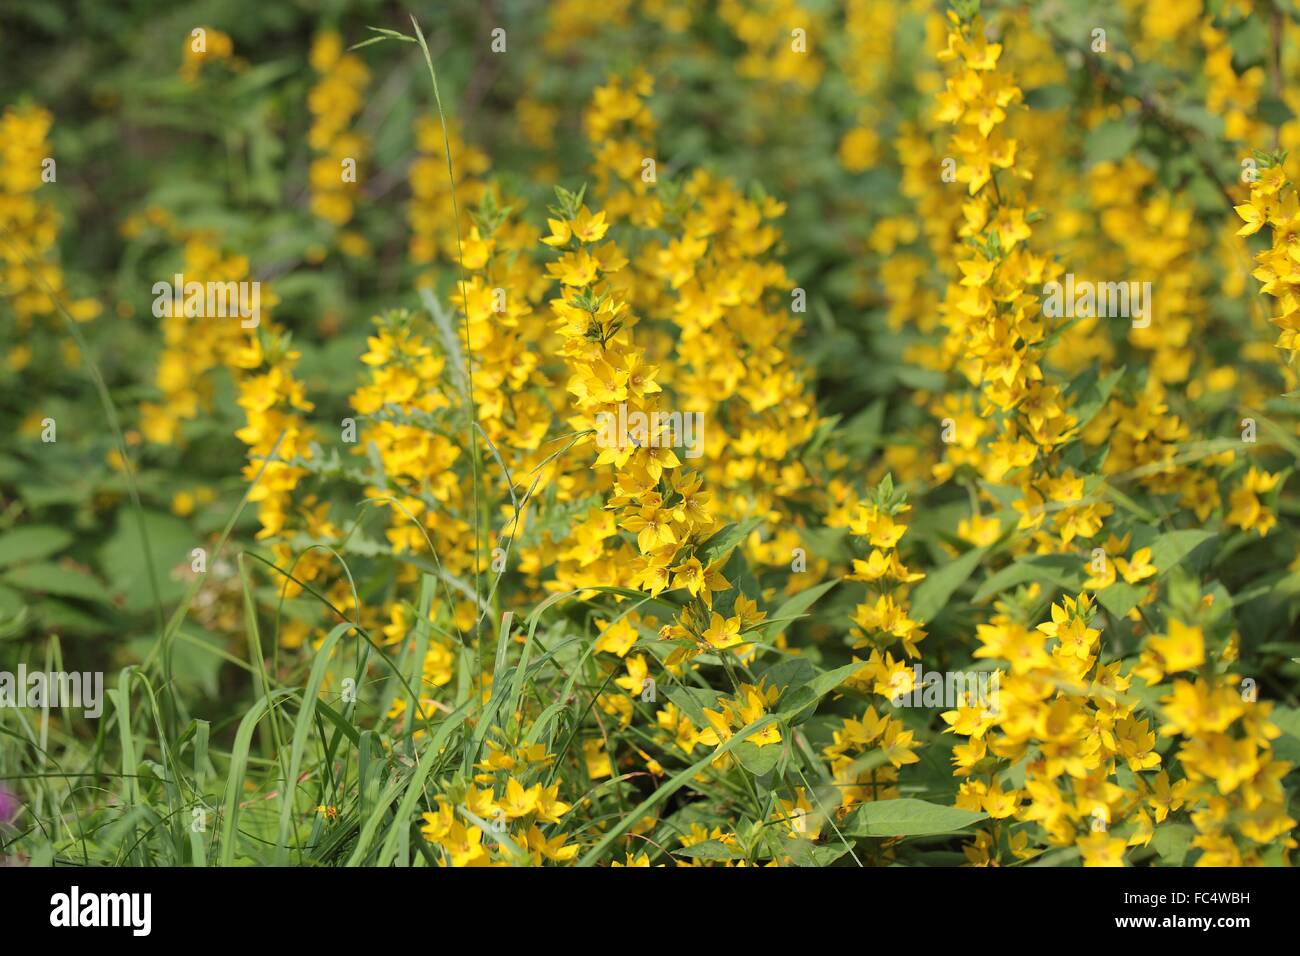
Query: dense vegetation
point(766, 432)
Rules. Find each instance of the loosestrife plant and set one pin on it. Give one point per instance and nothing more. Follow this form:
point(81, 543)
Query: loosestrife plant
point(845, 435)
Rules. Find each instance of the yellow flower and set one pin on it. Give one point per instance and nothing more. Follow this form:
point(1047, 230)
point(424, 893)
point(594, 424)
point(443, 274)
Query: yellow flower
point(1182, 649)
point(616, 638)
point(998, 804)
point(722, 632)
point(1138, 568)
point(1247, 511)
point(517, 801)
point(653, 526)
point(690, 575)
point(979, 530)
point(589, 228)
point(1101, 849)
point(595, 759)
point(858, 149)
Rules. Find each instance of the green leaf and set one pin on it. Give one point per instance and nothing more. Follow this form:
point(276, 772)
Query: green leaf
point(31, 544)
point(1171, 841)
point(1128, 503)
point(1198, 118)
point(804, 699)
point(724, 542)
point(61, 617)
point(915, 377)
point(1249, 42)
point(802, 852)
point(196, 661)
point(1050, 97)
point(58, 580)
point(1060, 570)
point(1090, 395)
point(1287, 747)
point(1111, 140)
point(692, 702)
point(11, 602)
point(789, 672)
point(863, 432)
point(1172, 547)
point(122, 556)
point(1120, 598)
point(907, 817)
point(932, 594)
point(1274, 111)
point(758, 760)
point(794, 608)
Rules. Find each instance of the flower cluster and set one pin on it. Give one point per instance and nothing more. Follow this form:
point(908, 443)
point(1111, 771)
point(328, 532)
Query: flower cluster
point(334, 102)
point(31, 278)
point(710, 407)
